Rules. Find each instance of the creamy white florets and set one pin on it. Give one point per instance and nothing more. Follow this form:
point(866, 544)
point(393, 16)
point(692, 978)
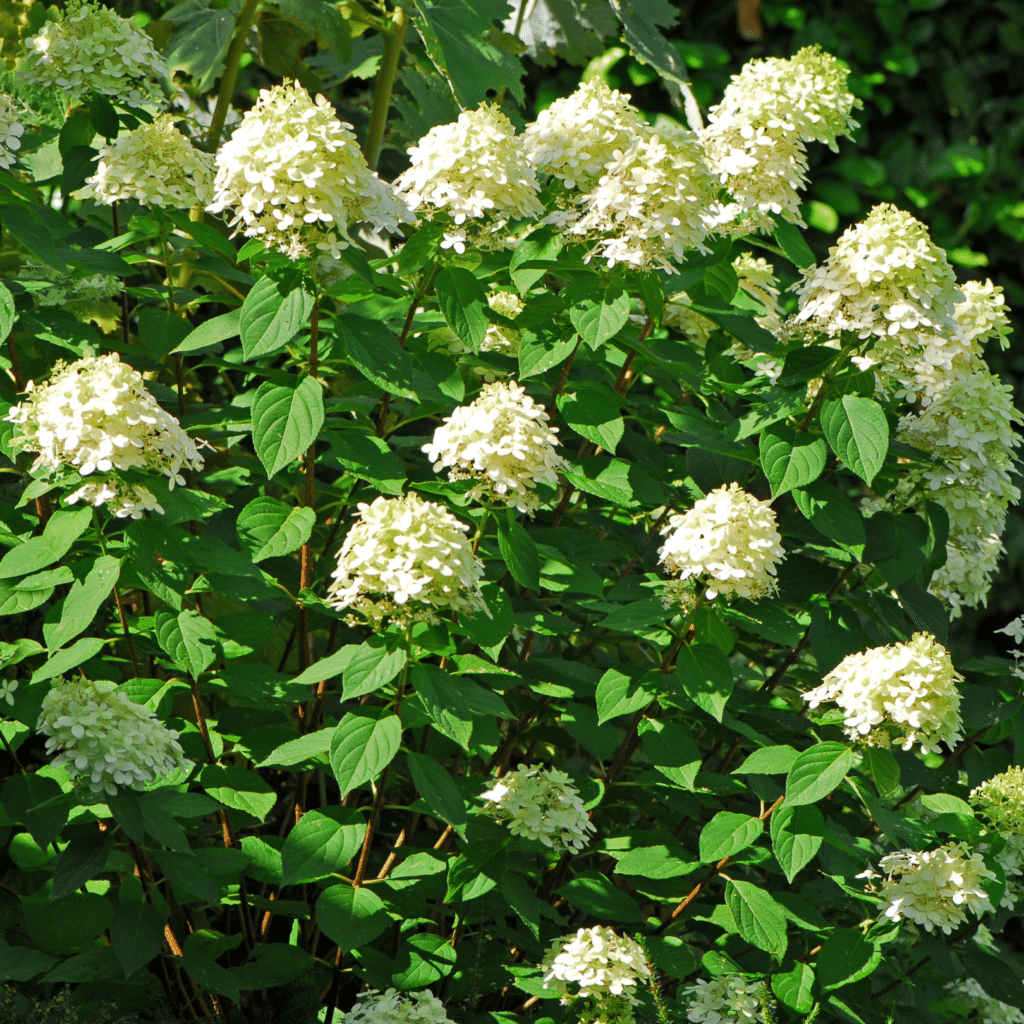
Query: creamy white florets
point(503, 340)
point(502, 440)
point(578, 135)
point(407, 559)
point(727, 999)
point(123, 500)
point(92, 49)
point(971, 1002)
point(983, 315)
point(1001, 800)
point(11, 131)
point(97, 416)
point(728, 536)
point(755, 138)
point(293, 175)
point(394, 1007)
point(106, 740)
point(540, 804)
point(648, 208)
point(934, 888)
point(902, 693)
point(473, 168)
point(600, 962)
point(49, 287)
point(153, 164)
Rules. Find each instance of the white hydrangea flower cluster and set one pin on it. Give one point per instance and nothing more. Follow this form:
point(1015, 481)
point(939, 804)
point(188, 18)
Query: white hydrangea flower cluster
point(97, 415)
point(474, 167)
point(394, 1007)
point(648, 207)
point(904, 693)
point(727, 999)
point(503, 440)
point(124, 500)
point(1011, 862)
point(11, 131)
point(971, 1002)
point(577, 136)
point(756, 137)
point(983, 314)
point(153, 164)
point(92, 49)
point(105, 739)
point(599, 961)
point(407, 559)
point(934, 888)
point(293, 175)
point(1001, 800)
point(729, 536)
point(542, 805)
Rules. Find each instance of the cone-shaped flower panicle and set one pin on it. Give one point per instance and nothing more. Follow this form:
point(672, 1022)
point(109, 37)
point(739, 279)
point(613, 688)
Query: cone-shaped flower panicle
point(293, 175)
point(394, 1007)
point(731, 538)
point(407, 559)
point(502, 440)
point(972, 559)
point(123, 500)
point(903, 693)
point(727, 999)
point(540, 804)
point(153, 164)
point(576, 137)
point(93, 49)
point(473, 167)
point(1001, 800)
point(600, 962)
point(11, 131)
point(106, 740)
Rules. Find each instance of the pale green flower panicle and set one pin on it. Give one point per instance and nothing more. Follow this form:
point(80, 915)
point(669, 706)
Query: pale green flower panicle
point(394, 1007)
point(983, 315)
point(11, 131)
point(727, 999)
point(969, 1001)
point(1001, 800)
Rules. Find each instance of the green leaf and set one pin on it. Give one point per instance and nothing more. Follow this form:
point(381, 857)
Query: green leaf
point(268, 528)
point(286, 419)
point(519, 552)
point(621, 693)
point(136, 934)
point(795, 988)
point(7, 312)
point(272, 314)
point(793, 245)
point(309, 749)
point(858, 432)
point(592, 410)
point(83, 601)
point(758, 917)
point(882, 767)
point(598, 321)
point(462, 301)
point(442, 699)
point(20, 963)
point(189, 639)
point(210, 333)
point(350, 917)
point(705, 675)
point(846, 956)
point(594, 894)
point(29, 228)
point(63, 529)
point(375, 352)
point(817, 771)
point(790, 459)
point(161, 331)
point(422, 960)
point(797, 834)
point(372, 665)
point(998, 977)
point(80, 861)
point(476, 871)
point(543, 244)
point(273, 964)
point(726, 834)
point(439, 792)
point(832, 514)
point(364, 744)
point(38, 803)
point(70, 657)
point(71, 925)
point(768, 761)
point(239, 789)
point(672, 955)
point(322, 842)
point(368, 457)
point(184, 872)
point(672, 751)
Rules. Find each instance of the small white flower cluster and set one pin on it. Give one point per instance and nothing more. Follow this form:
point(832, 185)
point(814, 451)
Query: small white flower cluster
point(1011, 862)
point(11, 131)
point(542, 805)
point(599, 961)
point(124, 500)
point(407, 559)
point(97, 415)
point(579, 135)
point(727, 999)
point(502, 440)
point(904, 693)
point(49, 287)
point(729, 536)
point(934, 888)
point(971, 1002)
point(93, 49)
point(650, 204)
point(503, 340)
point(293, 175)
point(153, 164)
point(394, 1007)
point(473, 167)
point(755, 138)
point(105, 739)
point(983, 315)
point(1001, 800)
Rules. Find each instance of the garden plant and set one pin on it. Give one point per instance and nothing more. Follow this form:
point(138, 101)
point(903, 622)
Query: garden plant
point(515, 585)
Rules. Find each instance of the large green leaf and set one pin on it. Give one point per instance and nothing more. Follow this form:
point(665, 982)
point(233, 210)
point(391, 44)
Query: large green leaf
point(592, 410)
point(272, 314)
point(37, 803)
point(372, 665)
point(622, 693)
point(443, 701)
point(846, 956)
point(476, 871)
point(858, 432)
point(268, 528)
point(705, 675)
point(599, 320)
point(726, 834)
point(364, 744)
point(189, 639)
point(63, 529)
point(817, 771)
point(322, 842)
point(594, 894)
point(136, 934)
point(519, 552)
point(797, 835)
point(759, 918)
point(790, 459)
point(439, 792)
point(462, 301)
point(375, 352)
point(350, 917)
point(286, 419)
point(239, 788)
point(83, 602)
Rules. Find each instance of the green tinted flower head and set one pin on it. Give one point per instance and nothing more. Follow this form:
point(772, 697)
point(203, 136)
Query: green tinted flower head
point(1001, 800)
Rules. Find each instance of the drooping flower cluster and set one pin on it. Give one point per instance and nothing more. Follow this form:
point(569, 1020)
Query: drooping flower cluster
point(394, 1007)
point(124, 500)
point(502, 440)
point(934, 888)
point(577, 136)
point(727, 999)
point(153, 164)
point(293, 175)
point(648, 207)
point(1001, 800)
point(969, 1001)
point(542, 805)
point(473, 168)
point(105, 739)
point(93, 49)
point(97, 416)
point(756, 137)
point(902, 693)
point(599, 961)
point(11, 131)
point(407, 559)
point(728, 536)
